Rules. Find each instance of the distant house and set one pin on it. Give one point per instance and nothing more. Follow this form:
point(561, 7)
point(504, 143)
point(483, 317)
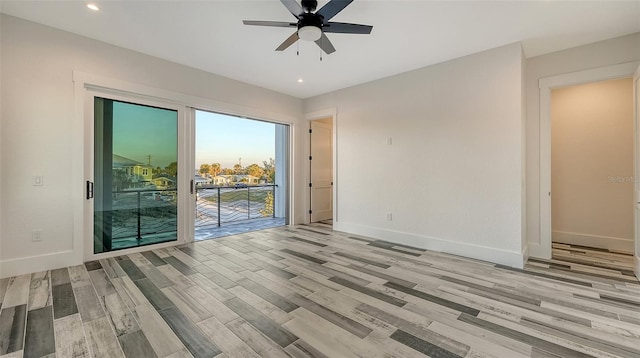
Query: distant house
point(222, 180)
point(246, 178)
point(200, 180)
point(164, 182)
point(225, 179)
point(136, 174)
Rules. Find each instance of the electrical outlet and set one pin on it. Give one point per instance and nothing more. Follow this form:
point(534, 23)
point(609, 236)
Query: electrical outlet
point(37, 180)
point(389, 217)
point(389, 141)
point(36, 235)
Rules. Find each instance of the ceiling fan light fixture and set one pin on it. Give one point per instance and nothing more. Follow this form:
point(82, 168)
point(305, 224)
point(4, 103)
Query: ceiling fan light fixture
point(309, 33)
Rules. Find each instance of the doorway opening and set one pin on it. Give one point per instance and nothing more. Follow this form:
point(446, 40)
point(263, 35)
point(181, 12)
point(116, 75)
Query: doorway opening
point(321, 171)
point(241, 175)
point(592, 176)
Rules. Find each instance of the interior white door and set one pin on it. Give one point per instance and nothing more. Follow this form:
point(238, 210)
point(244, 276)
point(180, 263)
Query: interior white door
point(636, 106)
point(321, 171)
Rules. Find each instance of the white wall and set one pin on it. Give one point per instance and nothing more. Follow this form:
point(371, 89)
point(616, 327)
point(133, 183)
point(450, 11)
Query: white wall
point(453, 176)
point(37, 118)
point(600, 54)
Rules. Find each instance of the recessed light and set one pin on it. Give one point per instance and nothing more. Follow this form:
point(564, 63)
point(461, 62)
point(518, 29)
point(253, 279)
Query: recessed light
point(93, 7)
point(300, 80)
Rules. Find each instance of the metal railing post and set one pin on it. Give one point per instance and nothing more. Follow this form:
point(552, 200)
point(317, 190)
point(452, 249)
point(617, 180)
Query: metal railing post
point(139, 236)
point(248, 204)
point(219, 206)
point(273, 200)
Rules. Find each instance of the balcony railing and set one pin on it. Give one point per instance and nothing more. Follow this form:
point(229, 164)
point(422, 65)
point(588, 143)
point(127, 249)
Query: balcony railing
point(136, 213)
point(216, 205)
point(147, 214)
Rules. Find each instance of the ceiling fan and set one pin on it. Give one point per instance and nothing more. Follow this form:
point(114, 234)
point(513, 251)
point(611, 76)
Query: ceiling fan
point(312, 26)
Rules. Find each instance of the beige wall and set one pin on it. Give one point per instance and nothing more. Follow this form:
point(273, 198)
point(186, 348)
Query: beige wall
point(592, 164)
point(604, 53)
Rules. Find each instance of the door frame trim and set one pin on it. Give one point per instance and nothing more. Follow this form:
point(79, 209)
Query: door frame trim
point(636, 157)
point(542, 248)
point(310, 116)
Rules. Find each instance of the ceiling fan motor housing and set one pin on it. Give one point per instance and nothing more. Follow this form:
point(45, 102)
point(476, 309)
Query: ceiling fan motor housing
point(309, 19)
point(309, 5)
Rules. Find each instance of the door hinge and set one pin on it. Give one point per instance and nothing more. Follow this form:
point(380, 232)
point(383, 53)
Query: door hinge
point(310, 157)
point(89, 190)
point(310, 130)
point(309, 211)
point(310, 185)
point(191, 186)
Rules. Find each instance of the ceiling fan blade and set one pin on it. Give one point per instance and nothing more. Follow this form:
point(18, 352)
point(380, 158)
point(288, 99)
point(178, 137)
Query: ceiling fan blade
point(288, 42)
point(345, 28)
point(325, 44)
point(332, 8)
point(294, 8)
point(269, 23)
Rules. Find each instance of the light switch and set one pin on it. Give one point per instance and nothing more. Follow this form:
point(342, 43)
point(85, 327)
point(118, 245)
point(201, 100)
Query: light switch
point(38, 180)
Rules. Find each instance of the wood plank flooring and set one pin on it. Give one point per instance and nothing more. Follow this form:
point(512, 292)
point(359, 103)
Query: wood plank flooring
point(308, 291)
point(594, 261)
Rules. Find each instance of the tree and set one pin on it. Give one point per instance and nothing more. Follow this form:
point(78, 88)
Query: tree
point(255, 170)
point(268, 205)
point(205, 169)
point(215, 169)
point(120, 180)
point(172, 169)
point(270, 170)
point(237, 169)
point(227, 171)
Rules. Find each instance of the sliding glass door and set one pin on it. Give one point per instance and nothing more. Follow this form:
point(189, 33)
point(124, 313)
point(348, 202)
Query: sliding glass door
point(144, 186)
point(135, 175)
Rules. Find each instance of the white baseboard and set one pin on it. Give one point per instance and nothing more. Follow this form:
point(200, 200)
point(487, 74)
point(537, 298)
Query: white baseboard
point(25, 265)
point(602, 242)
point(499, 256)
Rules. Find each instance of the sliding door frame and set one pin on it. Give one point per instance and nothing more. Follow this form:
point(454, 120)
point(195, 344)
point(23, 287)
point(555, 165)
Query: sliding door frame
point(184, 195)
point(86, 85)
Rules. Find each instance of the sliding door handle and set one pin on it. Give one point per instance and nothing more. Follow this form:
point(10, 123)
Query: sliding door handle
point(89, 190)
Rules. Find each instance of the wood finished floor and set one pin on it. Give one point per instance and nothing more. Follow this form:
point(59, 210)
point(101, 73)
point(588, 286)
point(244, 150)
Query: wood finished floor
point(311, 292)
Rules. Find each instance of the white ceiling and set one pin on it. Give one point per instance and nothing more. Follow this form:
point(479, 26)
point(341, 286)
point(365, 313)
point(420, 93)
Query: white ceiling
point(209, 35)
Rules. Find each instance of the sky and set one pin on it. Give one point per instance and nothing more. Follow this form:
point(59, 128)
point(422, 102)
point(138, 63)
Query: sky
point(223, 139)
point(140, 131)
